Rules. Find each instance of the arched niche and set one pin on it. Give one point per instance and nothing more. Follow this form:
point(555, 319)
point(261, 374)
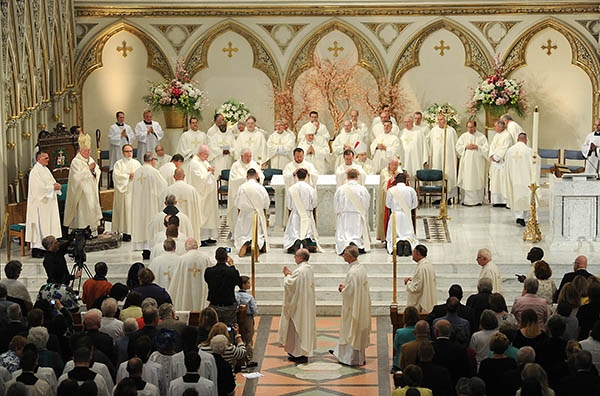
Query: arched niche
point(263, 59)
point(367, 56)
point(582, 54)
point(475, 55)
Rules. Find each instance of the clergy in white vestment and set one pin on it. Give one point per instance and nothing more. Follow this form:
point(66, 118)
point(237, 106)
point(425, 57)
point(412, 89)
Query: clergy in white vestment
point(221, 147)
point(254, 139)
point(401, 199)
point(349, 163)
point(45, 374)
point(385, 146)
point(489, 269)
point(289, 172)
point(251, 199)
point(188, 288)
point(202, 178)
point(190, 141)
point(163, 266)
point(149, 188)
point(359, 127)
point(346, 139)
point(361, 158)
point(315, 126)
point(189, 201)
point(414, 147)
point(123, 172)
point(472, 148)
point(512, 126)
point(436, 143)
point(42, 217)
point(301, 229)
point(219, 121)
point(355, 326)
point(171, 232)
point(501, 141)
point(420, 125)
point(35, 386)
point(80, 371)
point(377, 127)
point(162, 158)
point(316, 150)
point(384, 114)
point(192, 379)
point(82, 207)
point(280, 145)
point(119, 134)
point(351, 206)
point(519, 176)
point(148, 133)
point(170, 214)
point(237, 176)
point(589, 149)
point(150, 372)
point(167, 170)
point(136, 371)
point(421, 288)
point(387, 178)
point(297, 326)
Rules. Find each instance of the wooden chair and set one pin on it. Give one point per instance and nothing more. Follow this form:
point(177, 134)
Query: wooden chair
point(17, 213)
point(424, 183)
point(549, 154)
point(574, 155)
point(61, 173)
point(223, 186)
point(397, 317)
point(106, 204)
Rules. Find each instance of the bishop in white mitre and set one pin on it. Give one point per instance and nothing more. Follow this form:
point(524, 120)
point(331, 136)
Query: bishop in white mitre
point(237, 177)
point(148, 134)
point(289, 172)
point(190, 141)
point(501, 142)
point(361, 158)
point(280, 145)
point(314, 125)
point(167, 171)
point(119, 134)
point(301, 199)
point(82, 207)
point(316, 150)
point(123, 172)
point(202, 178)
point(251, 199)
point(436, 141)
point(519, 176)
point(349, 163)
point(42, 217)
point(221, 148)
point(414, 146)
point(345, 139)
point(385, 146)
point(188, 201)
point(188, 289)
point(163, 265)
point(254, 139)
point(149, 188)
point(472, 148)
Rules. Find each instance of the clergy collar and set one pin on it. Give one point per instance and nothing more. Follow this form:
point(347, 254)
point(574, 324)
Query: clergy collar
point(119, 123)
point(170, 210)
point(191, 377)
point(147, 122)
point(596, 133)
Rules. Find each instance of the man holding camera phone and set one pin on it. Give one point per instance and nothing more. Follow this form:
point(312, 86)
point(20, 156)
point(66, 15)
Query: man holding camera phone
point(222, 278)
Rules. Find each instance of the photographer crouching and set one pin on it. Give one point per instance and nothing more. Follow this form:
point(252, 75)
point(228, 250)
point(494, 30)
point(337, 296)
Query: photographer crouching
point(58, 286)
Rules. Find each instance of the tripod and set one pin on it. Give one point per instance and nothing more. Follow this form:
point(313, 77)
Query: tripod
point(79, 266)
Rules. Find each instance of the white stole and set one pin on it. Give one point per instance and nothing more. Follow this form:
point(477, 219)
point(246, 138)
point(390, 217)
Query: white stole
point(257, 203)
point(305, 219)
point(355, 200)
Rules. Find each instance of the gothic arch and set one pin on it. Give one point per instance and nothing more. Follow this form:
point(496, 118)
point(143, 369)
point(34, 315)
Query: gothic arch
point(582, 54)
point(476, 57)
point(263, 59)
point(91, 58)
point(368, 58)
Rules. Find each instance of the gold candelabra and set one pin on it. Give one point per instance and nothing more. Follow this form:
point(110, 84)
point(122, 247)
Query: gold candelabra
point(446, 111)
point(532, 232)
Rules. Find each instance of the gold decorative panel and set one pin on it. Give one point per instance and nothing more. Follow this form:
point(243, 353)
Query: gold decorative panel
point(582, 54)
point(263, 58)
point(367, 55)
point(283, 33)
point(91, 56)
point(177, 34)
point(475, 56)
point(494, 31)
point(386, 33)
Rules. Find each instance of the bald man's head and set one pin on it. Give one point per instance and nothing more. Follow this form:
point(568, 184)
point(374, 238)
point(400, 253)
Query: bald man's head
point(179, 174)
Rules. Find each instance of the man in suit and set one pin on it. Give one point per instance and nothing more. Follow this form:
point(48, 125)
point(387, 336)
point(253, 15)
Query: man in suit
point(480, 301)
point(583, 381)
point(579, 268)
point(450, 354)
point(410, 349)
point(463, 311)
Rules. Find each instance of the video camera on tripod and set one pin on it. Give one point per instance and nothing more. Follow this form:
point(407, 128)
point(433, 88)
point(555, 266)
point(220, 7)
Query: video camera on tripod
point(76, 250)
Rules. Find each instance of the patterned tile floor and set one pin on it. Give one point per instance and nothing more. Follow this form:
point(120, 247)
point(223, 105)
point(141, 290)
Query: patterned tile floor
point(322, 375)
